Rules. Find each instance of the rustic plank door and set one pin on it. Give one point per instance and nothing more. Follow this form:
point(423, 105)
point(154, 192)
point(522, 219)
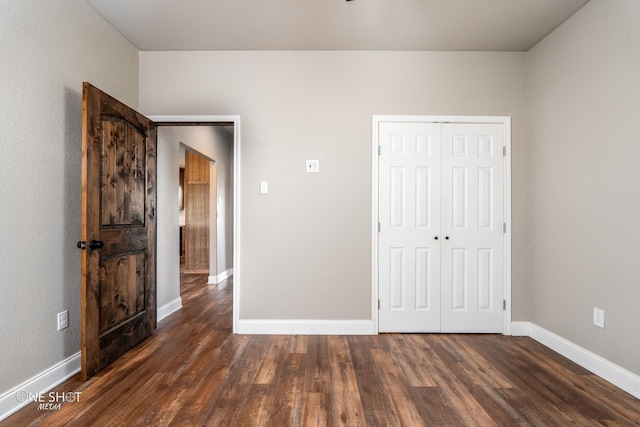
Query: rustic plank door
point(197, 213)
point(118, 289)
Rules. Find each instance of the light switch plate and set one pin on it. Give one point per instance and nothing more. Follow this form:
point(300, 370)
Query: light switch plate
point(313, 165)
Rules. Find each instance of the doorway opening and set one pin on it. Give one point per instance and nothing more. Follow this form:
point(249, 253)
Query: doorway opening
point(184, 203)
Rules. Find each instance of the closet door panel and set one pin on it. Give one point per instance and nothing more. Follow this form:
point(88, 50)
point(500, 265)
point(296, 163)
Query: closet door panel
point(472, 223)
point(409, 214)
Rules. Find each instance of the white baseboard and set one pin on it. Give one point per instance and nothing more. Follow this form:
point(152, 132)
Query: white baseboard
point(168, 308)
point(616, 375)
point(41, 383)
point(520, 329)
point(214, 280)
point(306, 327)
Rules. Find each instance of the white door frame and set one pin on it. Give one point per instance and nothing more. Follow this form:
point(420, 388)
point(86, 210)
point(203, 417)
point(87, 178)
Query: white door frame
point(503, 120)
point(235, 119)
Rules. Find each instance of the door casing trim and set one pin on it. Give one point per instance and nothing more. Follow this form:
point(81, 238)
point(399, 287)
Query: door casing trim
point(505, 121)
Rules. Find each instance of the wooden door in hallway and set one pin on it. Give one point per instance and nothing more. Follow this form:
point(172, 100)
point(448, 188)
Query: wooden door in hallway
point(197, 180)
point(118, 232)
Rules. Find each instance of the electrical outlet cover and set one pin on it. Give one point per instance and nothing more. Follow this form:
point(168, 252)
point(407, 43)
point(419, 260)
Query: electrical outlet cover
point(63, 320)
point(598, 317)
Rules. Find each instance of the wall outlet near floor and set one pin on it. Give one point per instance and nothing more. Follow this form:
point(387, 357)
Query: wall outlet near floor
point(63, 320)
point(598, 317)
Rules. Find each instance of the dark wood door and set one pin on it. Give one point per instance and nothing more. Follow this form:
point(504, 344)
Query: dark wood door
point(118, 227)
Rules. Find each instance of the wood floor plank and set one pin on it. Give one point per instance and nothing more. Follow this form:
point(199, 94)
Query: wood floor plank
point(151, 388)
point(258, 406)
point(346, 404)
point(478, 365)
point(530, 412)
point(234, 390)
point(398, 390)
point(267, 372)
point(317, 372)
point(297, 343)
point(316, 410)
point(207, 388)
point(194, 371)
point(458, 398)
point(375, 401)
point(403, 355)
point(532, 379)
point(287, 407)
point(163, 409)
point(597, 404)
point(433, 407)
point(483, 382)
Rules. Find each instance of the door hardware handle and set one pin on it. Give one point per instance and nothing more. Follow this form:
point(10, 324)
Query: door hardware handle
point(96, 244)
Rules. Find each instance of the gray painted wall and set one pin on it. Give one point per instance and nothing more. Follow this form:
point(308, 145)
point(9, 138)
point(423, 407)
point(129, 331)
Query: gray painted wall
point(306, 246)
point(47, 49)
point(584, 132)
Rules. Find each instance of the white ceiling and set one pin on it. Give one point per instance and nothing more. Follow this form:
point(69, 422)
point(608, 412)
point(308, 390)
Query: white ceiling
point(463, 25)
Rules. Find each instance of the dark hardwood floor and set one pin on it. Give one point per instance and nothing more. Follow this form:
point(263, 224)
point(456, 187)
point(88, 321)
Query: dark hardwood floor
point(193, 371)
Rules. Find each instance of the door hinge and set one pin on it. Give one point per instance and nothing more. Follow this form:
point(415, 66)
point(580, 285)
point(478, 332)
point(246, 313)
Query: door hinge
point(504, 227)
point(504, 151)
point(504, 304)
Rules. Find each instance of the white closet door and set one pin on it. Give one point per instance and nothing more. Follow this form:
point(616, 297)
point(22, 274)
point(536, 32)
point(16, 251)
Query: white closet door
point(409, 215)
point(472, 228)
